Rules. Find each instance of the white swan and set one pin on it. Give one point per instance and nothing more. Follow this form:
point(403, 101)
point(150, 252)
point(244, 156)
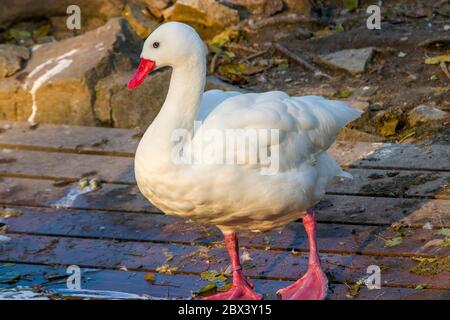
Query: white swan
point(177, 175)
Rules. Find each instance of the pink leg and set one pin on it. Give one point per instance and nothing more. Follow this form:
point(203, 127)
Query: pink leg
point(242, 288)
point(314, 284)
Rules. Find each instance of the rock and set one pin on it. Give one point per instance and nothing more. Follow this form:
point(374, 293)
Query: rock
point(119, 107)
point(369, 91)
point(156, 7)
point(362, 106)
point(260, 7)
point(423, 114)
point(11, 59)
point(347, 134)
point(208, 17)
point(114, 101)
point(61, 32)
point(302, 33)
point(15, 102)
point(299, 6)
point(140, 19)
point(14, 10)
point(57, 85)
point(353, 61)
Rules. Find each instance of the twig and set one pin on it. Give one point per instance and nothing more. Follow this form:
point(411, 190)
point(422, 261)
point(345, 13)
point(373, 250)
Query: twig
point(444, 40)
point(212, 67)
point(444, 68)
point(406, 136)
point(240, 47)
point(290, 18)
point(305, 64)
point(253, 56)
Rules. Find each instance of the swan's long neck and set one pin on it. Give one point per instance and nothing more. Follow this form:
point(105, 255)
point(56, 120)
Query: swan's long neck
point(180, 108)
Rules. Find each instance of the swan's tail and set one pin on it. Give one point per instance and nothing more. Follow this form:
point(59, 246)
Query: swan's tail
point(329, 117)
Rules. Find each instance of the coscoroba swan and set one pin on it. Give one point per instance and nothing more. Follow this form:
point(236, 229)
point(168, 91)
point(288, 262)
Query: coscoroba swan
point(186, 165)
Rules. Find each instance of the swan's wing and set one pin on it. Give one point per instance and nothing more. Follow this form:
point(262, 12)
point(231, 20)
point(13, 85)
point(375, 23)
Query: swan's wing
point(211, 99)
point(306, 125)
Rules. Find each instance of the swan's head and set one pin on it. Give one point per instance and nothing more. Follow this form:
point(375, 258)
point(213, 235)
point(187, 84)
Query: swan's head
point(172, 44)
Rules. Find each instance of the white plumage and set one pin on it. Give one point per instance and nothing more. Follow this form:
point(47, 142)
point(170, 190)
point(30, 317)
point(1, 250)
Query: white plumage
point(233, 197)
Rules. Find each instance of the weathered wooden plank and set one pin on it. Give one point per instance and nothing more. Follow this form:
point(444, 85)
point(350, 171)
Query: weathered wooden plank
point(396, 183)
point(395, 271)
point(332, 238)
point(391, 156)
point(68, 138)
point(333, 208)
point(379, 210)
point(65, 166)
point(124, 142)
point(62, 194)
point(178, 286)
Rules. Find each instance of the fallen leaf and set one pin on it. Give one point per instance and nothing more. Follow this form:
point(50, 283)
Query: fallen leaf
point(225, 287)
point(393, 242)
point(444, 232)
point(207, 288)
point(419, 287)
point(213, 276)
point(431, 266)
point(345, 93)
point(165, 268)
point(216, 44)
point(42, 31)
point(18, 34)
point(149, 277)
point(168, 254)
point(350, 5)
point(10, 213)
point(388, 128)
point(282, 64)
point(353, 290)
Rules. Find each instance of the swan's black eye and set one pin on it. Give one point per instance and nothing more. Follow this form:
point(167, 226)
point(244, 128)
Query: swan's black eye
point(155, 45)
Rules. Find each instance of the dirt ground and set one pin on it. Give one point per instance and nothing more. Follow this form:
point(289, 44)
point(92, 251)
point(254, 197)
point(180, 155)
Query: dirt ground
point(396, 79)
point(399, 79)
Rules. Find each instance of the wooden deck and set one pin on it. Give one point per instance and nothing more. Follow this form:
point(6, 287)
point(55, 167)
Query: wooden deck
point(117, 237)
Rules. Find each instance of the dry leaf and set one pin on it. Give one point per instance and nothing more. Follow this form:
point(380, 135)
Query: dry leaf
point(438, 59)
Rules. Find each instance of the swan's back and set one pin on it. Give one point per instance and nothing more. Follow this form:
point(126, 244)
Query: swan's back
point(311, 123)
